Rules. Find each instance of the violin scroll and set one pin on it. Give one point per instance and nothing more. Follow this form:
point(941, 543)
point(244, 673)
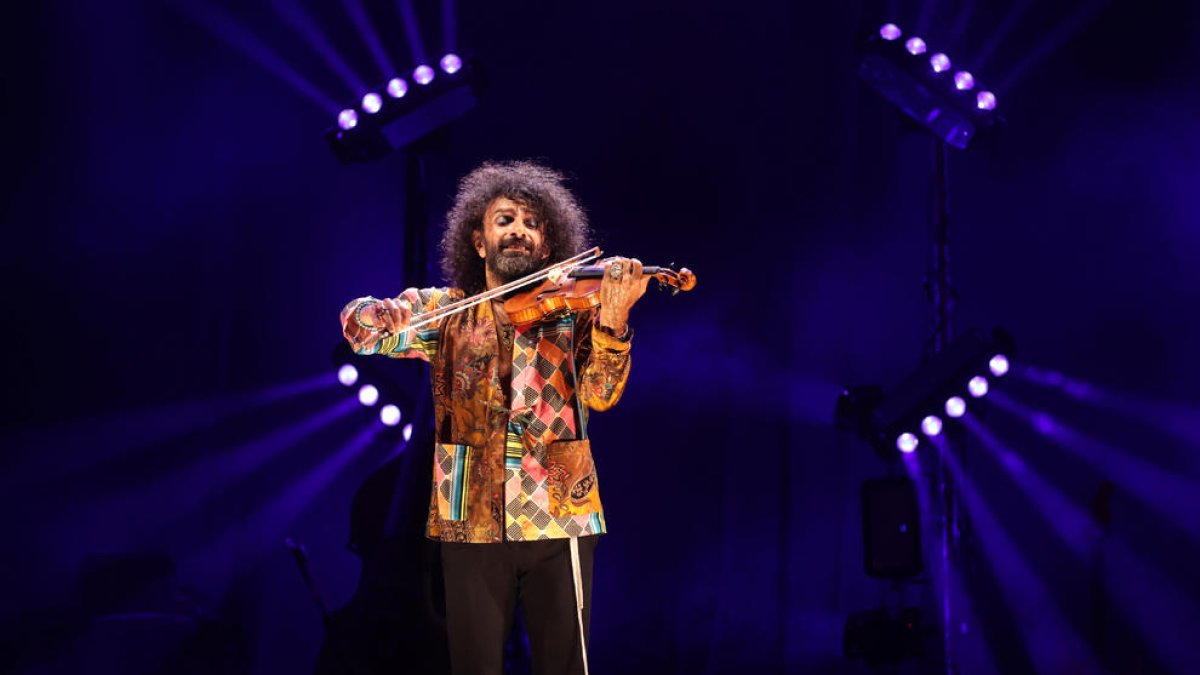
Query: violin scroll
point(683, 280)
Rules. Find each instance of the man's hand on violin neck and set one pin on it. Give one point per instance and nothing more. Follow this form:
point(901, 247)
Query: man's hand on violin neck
point(620, 289)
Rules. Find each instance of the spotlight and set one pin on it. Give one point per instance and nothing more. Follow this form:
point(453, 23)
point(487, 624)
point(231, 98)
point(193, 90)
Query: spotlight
point(906, 442)
point(978, 386)
point(915, 46)
point(927, 88)
point(931, 426)
point(408, 431)
point(956, 407)
point(348, 375)
point(397, 87)
point(402, 110)
point(998, 365)
point(423, 74)
point(451, 64)
point(389, 415)
point(881, 417)
point(889, 31)
point(985, 100)
point(374, 381)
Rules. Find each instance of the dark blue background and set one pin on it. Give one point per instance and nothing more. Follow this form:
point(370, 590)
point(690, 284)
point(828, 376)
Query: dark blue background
point(179, 239)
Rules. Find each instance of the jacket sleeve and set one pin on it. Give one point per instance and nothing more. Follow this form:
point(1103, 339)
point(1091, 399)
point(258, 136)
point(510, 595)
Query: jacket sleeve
point(420, 344)
point(605, 366)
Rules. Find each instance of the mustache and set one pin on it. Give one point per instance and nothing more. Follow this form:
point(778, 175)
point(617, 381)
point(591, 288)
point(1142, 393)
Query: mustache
point(517, 241)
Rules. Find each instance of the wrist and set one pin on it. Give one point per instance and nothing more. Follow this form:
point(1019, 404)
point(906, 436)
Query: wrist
point(619, 331)
point(613, 322)
point(359, 318)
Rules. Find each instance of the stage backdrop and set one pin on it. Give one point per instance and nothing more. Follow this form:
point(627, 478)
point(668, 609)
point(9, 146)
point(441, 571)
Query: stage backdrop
point(179, 240)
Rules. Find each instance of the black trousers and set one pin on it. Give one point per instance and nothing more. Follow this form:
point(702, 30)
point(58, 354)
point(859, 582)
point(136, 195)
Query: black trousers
point(484, 583)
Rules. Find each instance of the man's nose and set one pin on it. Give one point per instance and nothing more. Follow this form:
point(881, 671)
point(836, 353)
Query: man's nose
point(520, 228)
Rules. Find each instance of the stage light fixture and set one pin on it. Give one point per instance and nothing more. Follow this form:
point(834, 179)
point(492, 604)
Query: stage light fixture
point(886, 418)
point(397, 87)
point(423, 75)
point(956, 407)
point(998, 365)
point(383, 124)
point(408, 431)
point(347, 374)
point(978, 386)
point(383, 386)
point(451, 64)
point(390, 415)
point(919, 90)
point(931, 426)
point(890, 31)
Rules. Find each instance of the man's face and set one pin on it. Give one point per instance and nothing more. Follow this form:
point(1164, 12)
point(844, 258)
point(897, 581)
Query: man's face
point(512, 242)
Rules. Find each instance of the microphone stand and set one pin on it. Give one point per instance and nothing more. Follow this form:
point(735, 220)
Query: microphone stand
point(301, 557)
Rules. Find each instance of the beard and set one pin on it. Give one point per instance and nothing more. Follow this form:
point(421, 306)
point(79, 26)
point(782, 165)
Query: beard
point(510, 265)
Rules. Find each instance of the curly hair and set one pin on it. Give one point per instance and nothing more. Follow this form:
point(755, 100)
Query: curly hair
point(532, 185)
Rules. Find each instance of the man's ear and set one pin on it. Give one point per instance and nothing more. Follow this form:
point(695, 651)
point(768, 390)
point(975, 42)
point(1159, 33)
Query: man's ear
point(477, 239)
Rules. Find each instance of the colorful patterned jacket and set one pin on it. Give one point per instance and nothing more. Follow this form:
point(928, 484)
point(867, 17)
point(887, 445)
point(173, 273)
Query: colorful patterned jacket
point(511, 463)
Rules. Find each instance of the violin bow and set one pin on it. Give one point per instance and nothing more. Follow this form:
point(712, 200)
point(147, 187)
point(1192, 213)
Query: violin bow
point(466, 303)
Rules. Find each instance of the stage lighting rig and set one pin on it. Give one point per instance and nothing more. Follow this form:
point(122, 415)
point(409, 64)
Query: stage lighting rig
point(403, 110)
point(374, 383)
point(926, 86)
point(897, 419)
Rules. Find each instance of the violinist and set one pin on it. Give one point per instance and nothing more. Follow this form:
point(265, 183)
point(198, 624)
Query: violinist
point(515, 499)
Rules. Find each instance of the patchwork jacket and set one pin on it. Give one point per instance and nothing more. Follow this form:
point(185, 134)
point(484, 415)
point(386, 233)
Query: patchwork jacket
point(512, 460)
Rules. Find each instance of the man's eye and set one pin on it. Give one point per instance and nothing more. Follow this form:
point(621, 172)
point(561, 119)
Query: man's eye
point(504, 220)
point(533, 223)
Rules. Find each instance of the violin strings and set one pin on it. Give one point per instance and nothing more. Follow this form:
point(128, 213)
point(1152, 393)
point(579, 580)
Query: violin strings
point(512, 285)
point(500, 290)
point(467, 303)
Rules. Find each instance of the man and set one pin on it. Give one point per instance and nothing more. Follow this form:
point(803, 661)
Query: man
point(515, 499)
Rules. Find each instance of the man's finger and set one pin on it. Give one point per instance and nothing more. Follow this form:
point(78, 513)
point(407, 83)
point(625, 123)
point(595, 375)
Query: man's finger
point(386, 313)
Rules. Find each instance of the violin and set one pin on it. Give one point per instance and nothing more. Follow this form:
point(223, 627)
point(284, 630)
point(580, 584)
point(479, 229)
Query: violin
point(565, 286)
point(578, 288)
